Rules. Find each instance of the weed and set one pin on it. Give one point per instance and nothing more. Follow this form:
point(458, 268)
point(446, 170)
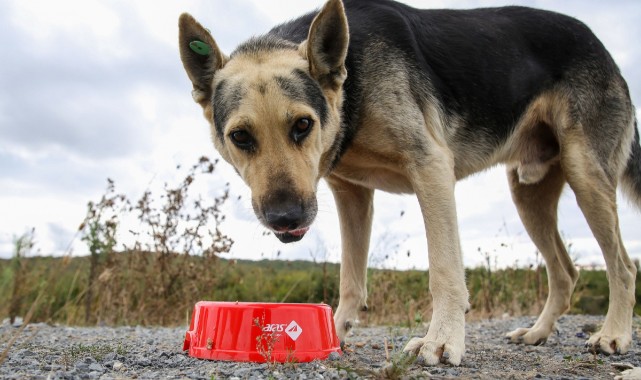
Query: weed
point(398, 366)
point(22, 247)
point(99, 232)
point(95, 351)
point(150, 272)
point(578, 362)
point(266, 341)
point(5, 353)
point(398, 362)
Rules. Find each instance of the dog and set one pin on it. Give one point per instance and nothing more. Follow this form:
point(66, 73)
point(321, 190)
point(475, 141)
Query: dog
point(374, 94)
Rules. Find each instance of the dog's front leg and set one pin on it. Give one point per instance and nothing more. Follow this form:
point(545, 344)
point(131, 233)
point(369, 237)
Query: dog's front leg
point(355, 210)
point(433, 180)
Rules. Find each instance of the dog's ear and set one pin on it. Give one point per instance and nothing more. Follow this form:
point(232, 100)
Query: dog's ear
point(327, 43)
point(200, 56)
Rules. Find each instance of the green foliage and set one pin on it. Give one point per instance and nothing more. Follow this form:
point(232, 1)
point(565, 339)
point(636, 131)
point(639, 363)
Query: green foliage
point(272, 281)
point(592, 296)
point(125, 294)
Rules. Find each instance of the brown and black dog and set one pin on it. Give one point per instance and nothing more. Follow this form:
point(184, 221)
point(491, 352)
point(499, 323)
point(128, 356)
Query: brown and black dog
point(378, 95)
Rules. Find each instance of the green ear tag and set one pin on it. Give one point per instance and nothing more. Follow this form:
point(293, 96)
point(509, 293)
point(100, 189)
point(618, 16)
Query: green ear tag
point(200, 47)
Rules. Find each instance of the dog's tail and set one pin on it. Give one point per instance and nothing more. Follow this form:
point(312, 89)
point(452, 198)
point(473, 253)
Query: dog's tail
point(631, 178)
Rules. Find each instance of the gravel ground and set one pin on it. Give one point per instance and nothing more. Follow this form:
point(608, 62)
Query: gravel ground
point(61, 352)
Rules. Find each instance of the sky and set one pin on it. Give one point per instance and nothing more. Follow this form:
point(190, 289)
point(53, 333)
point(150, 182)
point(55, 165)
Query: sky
point(91, 90)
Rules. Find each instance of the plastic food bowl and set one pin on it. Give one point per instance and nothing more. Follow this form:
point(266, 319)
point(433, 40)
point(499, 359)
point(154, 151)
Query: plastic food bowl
point(261, 332)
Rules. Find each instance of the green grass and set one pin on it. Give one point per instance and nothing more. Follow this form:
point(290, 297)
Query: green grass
point(96, 351)
point(130, 286)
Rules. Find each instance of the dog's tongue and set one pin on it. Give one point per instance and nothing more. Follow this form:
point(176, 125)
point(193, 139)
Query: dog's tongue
point(298, 232)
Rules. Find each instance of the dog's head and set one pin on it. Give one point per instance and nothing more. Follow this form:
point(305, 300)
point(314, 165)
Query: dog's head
point(274, 110)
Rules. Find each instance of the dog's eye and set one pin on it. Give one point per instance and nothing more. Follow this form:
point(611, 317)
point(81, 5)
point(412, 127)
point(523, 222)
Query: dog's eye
point(301, 129)
point(242, 139)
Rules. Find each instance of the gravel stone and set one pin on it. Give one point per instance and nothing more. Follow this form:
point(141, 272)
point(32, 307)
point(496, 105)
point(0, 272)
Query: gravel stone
point(96, 367)
point(84, 363)
point(25, 353)
point(56, 352)
point(452, 372)
point(242, 372)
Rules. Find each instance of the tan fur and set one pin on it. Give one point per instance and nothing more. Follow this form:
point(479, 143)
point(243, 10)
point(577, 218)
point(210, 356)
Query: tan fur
point(434, 186)
point(537, 207)
point(355, 207)
point(549, 109)
point(596, 196)
point(378, 158)
point(270, 124)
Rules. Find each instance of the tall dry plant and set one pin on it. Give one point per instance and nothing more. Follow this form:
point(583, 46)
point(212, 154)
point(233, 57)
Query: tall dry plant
point(22, 246)
point(99, 233)
point(148, 278)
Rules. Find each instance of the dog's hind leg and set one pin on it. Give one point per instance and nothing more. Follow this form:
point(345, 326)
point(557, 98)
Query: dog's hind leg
point(537, 206)
point(355, 211)
point(595, 188)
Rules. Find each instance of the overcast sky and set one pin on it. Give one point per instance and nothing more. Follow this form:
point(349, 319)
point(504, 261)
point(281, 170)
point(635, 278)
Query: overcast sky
point(95, 89)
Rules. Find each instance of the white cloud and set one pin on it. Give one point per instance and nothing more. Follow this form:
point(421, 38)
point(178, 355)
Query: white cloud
point(79, 23)
point(285, 10)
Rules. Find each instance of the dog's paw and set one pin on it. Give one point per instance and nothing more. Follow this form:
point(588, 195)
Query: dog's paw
point(432, 352)
point(609, 344)
point(534, 336)
point(444, 343)
point(344, 320)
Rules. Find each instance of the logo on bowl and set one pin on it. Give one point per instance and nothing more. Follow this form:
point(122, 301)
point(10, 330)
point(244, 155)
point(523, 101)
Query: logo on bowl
point(293, 330)
point(274, 327)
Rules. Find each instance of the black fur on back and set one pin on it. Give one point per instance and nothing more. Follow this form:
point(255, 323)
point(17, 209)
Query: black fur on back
point(484, 65)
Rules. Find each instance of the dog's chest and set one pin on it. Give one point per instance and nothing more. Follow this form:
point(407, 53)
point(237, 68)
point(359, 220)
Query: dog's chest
point(374, 171)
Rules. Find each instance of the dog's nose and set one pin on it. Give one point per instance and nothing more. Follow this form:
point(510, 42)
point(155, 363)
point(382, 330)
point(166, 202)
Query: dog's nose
point(284, 216)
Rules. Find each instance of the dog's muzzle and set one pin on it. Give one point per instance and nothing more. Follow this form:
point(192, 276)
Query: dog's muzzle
point(287, 215)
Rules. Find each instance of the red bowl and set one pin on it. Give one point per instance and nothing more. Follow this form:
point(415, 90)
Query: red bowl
point(261, 332)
